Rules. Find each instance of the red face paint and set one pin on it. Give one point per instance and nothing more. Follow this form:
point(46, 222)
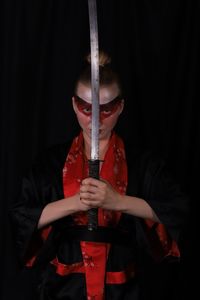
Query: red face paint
point(106, 110)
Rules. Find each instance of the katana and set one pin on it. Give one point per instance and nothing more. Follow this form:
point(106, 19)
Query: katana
point(94, 157)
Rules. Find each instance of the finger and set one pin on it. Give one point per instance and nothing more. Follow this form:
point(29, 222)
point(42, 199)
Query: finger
point(88, 188)
point(89, 203)
point(103, 180)
point(90, 181)
point(86, 195)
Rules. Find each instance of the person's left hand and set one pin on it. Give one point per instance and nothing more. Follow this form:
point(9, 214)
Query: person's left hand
point(97, 193)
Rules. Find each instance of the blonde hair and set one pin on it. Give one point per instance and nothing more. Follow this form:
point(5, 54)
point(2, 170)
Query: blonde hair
point(107, 75)
point(104, 59)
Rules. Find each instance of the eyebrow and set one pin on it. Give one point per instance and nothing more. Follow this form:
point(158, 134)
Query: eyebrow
point(119, 97)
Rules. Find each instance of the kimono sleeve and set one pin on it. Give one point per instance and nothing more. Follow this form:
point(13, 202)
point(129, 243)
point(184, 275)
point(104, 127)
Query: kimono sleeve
point(37, 190)
point(170, 204)
point(166, 198)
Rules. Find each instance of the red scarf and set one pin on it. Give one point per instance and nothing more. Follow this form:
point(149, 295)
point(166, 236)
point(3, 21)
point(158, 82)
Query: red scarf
point(114, 170)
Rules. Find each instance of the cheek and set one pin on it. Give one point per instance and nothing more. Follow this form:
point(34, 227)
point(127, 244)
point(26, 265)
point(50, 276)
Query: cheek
point(110, 121)
point(82, 119)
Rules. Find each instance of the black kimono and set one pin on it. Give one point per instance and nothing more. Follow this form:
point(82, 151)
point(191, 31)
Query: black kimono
point(132, 242)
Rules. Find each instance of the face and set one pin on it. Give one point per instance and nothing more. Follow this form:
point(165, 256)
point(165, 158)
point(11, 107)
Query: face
point(111, 107)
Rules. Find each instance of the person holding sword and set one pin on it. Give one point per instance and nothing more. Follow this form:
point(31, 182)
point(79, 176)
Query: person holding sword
point(140, 210)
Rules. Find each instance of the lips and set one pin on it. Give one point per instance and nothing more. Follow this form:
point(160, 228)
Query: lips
point(100, 130)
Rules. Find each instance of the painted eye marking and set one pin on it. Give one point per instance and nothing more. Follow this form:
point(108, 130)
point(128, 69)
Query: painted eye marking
point(106, 110)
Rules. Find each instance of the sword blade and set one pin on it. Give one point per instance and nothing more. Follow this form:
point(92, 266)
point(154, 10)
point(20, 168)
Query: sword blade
point(94, 78)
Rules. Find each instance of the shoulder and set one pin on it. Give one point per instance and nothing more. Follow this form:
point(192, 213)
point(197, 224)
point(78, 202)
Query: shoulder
point(143, 158)
point(51, 158)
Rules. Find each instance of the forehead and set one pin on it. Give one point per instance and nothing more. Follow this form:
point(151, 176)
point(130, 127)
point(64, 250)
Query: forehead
point(106, 93)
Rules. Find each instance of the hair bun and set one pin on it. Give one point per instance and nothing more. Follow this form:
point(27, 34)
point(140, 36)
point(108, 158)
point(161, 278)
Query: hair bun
point(104, 59)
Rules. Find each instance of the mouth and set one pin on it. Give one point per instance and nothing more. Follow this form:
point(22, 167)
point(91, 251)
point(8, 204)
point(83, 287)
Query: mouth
point(100, 130)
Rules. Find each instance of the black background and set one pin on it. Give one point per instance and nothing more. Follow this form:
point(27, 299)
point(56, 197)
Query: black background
point(154, 46)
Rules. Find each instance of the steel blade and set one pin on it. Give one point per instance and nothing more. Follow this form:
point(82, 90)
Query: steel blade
point(94, 45)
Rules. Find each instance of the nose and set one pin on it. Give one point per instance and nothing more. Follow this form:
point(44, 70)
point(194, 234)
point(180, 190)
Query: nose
point(100, 118)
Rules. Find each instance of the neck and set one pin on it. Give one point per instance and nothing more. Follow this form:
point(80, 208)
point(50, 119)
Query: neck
point(103, 146)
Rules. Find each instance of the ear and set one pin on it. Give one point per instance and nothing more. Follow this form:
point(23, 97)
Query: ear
point(74, 104)
point(121, 107)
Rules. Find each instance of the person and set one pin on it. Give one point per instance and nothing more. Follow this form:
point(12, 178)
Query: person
point(141, 211)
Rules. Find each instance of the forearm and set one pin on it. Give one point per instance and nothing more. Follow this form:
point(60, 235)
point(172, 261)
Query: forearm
point(137, 207)
point(57, 210)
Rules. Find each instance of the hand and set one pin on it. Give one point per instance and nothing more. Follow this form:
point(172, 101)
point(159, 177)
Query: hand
point(97, 193)
point(79, 205)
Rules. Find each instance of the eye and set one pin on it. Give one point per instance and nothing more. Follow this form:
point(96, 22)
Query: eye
point(87, 110)
point(106, 111)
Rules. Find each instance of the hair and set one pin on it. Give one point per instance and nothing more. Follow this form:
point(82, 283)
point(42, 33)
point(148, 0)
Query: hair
point(107, 75)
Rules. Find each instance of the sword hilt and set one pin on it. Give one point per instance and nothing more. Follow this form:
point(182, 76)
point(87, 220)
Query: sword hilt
point(93, 212)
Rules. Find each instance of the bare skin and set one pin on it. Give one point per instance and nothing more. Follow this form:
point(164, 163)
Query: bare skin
point(96, 193)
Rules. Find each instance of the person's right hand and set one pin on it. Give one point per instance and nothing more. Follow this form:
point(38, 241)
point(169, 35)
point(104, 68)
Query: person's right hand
point(79, 205)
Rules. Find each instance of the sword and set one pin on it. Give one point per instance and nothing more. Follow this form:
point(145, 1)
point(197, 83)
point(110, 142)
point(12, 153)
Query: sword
point(94, 158)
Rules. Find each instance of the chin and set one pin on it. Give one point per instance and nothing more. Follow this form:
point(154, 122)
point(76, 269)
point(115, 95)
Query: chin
point(104, 135)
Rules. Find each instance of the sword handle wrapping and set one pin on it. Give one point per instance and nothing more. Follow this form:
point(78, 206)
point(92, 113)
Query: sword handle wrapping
point(93, 212)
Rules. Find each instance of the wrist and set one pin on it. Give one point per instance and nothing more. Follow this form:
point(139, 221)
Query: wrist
point(121, 205)
point(124, 203)
point(76, 203)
